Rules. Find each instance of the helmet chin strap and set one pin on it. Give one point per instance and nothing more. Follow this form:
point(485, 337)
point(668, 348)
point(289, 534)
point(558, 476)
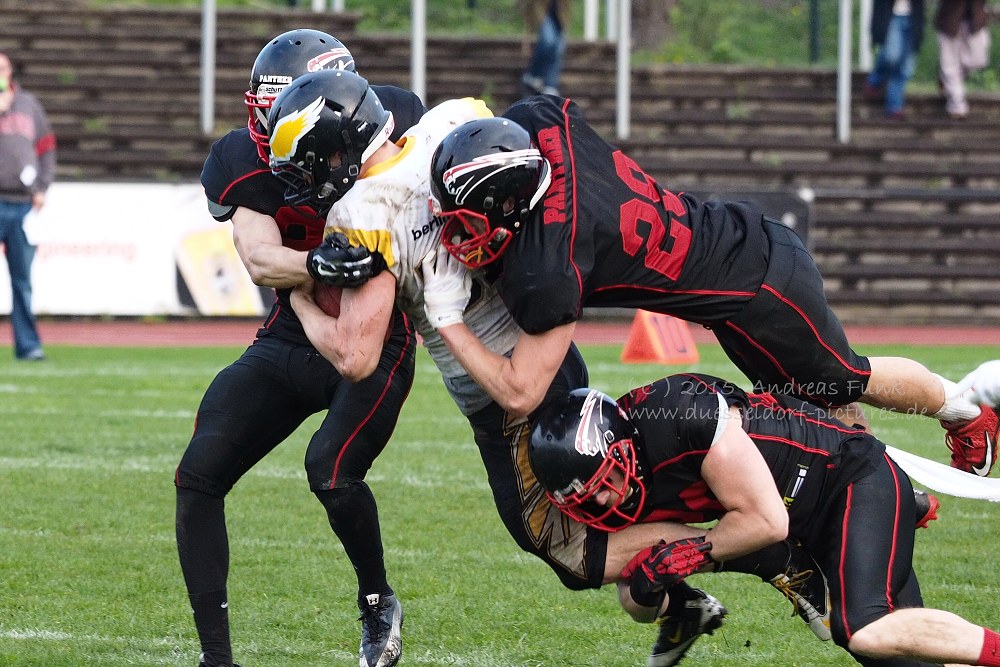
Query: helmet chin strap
point(498, 240)
point(261, 115)
point(524, 210)
point(525, 207)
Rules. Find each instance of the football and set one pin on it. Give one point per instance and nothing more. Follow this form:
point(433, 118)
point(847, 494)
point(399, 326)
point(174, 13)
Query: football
point(327, 298)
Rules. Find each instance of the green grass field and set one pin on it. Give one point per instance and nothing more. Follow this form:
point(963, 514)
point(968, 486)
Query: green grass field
point(88, 568)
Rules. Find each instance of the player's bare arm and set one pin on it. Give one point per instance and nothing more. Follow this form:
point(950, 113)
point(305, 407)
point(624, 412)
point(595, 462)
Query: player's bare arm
point(258, 242)
point(353, 341)
point(517, 383)
point(625, 544)
point(741, 480)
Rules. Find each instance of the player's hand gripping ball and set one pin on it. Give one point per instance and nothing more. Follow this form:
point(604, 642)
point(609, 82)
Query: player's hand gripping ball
point(337, 263)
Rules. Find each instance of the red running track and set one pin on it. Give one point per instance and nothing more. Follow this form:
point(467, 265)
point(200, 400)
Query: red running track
point(235, 331)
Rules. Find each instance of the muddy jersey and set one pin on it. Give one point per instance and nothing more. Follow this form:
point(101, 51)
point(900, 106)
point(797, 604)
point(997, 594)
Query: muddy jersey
point(606, 234)
point(234, 175)
point(388, 210)
point(811, 456)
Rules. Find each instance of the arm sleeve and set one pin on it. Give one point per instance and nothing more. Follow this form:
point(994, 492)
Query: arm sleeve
point(704, 412)
point(211, 182)
point(679, 408)
point(539, 284)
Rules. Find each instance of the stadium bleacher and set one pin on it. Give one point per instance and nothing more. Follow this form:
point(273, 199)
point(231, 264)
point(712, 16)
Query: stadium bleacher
point(905, 218)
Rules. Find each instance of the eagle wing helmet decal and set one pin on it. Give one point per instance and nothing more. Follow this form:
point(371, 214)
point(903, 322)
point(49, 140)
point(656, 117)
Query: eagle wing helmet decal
point(292, 128)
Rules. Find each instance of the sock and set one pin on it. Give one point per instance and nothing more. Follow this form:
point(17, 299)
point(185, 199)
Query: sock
point(371, 577)
point(955, 408)
point(990, 656)
point(202, 541)
point(211, 617)
point(353, 516)
point(766, 563)
point(678, 594)
point(203, 548)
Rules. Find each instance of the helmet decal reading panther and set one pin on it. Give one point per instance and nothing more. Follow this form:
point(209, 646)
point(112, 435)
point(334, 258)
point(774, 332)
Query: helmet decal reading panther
point(292, 128)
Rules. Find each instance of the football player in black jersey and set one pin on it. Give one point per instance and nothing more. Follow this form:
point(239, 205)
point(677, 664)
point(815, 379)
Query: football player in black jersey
point(385, 190)
point(694, 448)
point(258, 401)
point(564, 220)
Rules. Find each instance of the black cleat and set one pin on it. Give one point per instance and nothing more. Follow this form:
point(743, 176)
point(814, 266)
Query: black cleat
point(701, 616)
point(381, 623)
point(805, 586)
point(926, 507)
point(202, 663)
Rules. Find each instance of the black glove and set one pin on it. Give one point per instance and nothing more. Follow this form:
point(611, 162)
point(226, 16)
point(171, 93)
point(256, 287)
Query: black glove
point(657, 568)
point(335, 262)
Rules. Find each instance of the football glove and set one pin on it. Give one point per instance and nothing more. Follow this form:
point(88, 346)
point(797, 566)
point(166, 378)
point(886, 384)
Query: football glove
point(335, 262)
point(657, 568)
point(983, 384)
point(447, 288)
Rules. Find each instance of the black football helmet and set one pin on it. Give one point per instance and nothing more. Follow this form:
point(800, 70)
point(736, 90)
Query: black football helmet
point(582, 444)
point(486, 177)
point(285, 58)
point(324, 125)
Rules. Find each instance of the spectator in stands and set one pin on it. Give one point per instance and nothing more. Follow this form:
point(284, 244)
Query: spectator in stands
point(963, 46)
point(27, 167)
point(549, 18)
point(898, 30)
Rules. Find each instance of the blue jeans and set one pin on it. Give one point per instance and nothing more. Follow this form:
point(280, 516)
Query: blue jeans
point(546, 61)
point(19, 254)
point(895, 63)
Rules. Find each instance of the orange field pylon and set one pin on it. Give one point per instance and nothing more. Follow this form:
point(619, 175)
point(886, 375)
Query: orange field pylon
point(659, 338)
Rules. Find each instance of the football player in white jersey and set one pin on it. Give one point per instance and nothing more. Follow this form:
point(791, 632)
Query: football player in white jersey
point(329, 139)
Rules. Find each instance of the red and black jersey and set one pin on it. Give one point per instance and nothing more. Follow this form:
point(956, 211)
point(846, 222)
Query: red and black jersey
point(606, 234)
point(812, 457)
point(234, 175)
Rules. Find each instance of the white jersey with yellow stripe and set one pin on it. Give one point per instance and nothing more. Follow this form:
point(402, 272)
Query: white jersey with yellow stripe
point(388, 210)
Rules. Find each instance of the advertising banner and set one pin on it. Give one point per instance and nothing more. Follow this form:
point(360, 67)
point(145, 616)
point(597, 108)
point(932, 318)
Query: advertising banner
point(133, 249)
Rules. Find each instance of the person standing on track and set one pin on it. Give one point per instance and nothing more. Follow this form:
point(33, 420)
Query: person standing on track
point(27, 168)
point(263, 397)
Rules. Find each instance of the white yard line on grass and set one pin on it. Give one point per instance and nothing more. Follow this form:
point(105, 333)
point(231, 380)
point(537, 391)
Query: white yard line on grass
point(474, 659)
